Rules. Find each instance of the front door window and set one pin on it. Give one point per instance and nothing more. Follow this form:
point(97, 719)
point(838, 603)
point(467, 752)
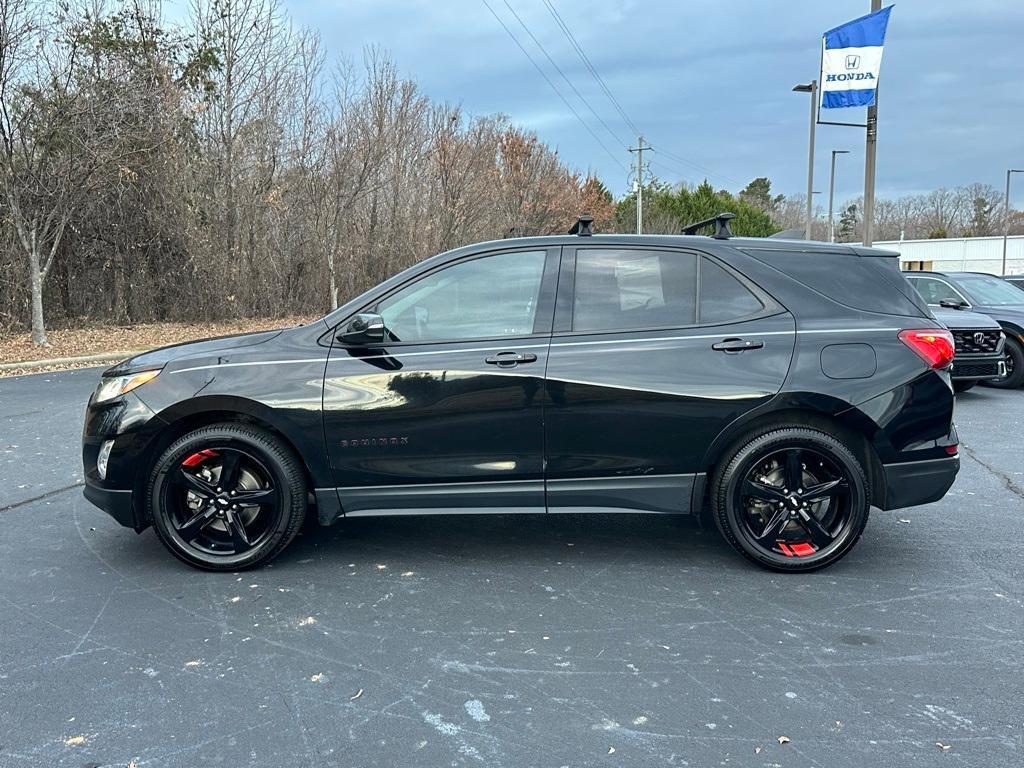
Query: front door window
point(490, 297)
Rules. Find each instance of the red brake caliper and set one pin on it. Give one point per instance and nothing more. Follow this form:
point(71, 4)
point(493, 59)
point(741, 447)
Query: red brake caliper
point(800, 549)
point(198, 458)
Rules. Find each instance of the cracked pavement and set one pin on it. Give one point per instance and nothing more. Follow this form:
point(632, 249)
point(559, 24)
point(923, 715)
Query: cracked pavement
point(507, 641)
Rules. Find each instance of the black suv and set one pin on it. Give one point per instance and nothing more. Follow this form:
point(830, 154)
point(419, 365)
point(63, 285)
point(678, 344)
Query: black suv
point(782, 388)
point(987, 295)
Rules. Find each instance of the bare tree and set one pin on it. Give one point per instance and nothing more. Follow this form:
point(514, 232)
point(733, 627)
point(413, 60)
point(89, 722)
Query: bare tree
point(47, 160)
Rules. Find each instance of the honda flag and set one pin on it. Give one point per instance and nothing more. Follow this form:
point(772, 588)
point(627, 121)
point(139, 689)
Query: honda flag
point(851, 57)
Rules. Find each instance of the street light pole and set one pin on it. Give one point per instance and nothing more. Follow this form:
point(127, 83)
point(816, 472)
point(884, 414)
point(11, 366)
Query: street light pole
point(831, 193)
point(811, 88)
point(1006, 213)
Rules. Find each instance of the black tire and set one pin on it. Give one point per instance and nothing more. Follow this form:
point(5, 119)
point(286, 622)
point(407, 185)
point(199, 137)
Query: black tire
point(1014, 357)
point(829, 527)
point(963, 386)
point(268, 485)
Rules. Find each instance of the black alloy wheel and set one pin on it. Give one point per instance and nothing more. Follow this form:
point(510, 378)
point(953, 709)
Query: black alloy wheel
point(1013, 357)
point(227, 497)
point(963, 386)
point(793, 499)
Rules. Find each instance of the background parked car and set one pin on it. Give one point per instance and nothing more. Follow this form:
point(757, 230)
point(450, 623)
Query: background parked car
point(979, 347)
point(988, 295)
point(1017, 280)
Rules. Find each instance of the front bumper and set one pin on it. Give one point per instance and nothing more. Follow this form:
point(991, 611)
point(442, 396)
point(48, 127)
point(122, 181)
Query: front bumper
point(911, 483)
point(131, 425)
point(116, 503)
point(977, 367)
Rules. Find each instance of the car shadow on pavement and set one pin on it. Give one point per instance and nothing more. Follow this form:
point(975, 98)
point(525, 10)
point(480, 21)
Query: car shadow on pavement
point(529, 537)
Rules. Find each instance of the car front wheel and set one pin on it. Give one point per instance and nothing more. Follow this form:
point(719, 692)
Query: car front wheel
point(792, 499)
point(227, 497)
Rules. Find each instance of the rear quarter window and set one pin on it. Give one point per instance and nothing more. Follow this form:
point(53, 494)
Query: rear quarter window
point(854, 281)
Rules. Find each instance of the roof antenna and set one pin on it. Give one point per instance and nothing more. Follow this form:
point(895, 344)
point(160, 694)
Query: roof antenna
point(583, 226)
point(720, 222)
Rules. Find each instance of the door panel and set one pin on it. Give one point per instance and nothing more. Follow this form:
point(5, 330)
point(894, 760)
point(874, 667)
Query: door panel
point(637, 409)
point(441, 425)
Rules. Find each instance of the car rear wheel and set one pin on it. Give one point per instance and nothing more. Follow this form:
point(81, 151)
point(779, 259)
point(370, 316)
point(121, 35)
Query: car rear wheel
point(963, 386)
point(792, 499)
point(1013, 356)
point(227, 497)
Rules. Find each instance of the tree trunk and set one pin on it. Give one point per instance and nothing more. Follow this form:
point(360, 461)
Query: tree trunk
point(36, 281)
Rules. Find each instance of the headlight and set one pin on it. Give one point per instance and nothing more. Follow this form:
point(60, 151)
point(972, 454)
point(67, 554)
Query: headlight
point(115, 386)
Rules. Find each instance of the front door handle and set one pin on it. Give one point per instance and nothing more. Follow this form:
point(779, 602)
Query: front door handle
point(510, 359)
point(734, 345)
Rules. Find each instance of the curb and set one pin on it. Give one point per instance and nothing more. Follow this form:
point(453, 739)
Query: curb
point(104, 357)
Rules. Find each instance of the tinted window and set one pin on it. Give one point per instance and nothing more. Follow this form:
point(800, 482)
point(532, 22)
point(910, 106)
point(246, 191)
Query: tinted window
point(484, 298)
point(933, 291)
point(723, 297)
point(623, 289)
point(853, 281)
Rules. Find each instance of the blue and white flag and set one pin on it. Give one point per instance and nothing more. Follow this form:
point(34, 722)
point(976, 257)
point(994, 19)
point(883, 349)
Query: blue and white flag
point(851, 57)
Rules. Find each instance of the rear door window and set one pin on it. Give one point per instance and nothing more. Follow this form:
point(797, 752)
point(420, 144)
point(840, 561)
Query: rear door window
point(621, 289)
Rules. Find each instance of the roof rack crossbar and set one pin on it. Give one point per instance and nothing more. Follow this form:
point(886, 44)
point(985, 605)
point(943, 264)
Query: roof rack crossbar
point(720, 222)
point(583, 226)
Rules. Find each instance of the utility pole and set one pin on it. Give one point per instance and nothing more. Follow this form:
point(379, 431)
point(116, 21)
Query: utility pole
point(869, 160)
point(639, 149)
point(1006, 214)
point(811, 88)
point(831, 193)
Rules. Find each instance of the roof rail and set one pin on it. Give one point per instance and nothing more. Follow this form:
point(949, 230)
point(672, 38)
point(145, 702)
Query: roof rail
point(583, 226)
point(720, 222)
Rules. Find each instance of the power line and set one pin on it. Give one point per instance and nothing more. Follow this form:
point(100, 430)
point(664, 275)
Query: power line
point(565, 77)
point(587, 63)
point(611, 97)
point(697, 166)
point(553, 87)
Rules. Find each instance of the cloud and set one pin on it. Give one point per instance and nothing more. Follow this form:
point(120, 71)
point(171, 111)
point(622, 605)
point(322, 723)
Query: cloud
point(711, 83)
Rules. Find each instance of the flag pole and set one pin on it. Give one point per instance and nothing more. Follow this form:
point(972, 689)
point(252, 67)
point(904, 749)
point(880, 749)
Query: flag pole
point(870, 142)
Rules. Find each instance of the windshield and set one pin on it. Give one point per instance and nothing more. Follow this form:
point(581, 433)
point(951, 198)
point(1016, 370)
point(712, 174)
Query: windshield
point(986, 289)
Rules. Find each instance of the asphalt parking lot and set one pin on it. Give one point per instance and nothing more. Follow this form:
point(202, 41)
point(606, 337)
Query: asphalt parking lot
point(507, 641)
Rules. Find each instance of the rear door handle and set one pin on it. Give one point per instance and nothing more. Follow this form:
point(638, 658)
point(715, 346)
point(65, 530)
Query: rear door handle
point(510, 359)
point(734, 345)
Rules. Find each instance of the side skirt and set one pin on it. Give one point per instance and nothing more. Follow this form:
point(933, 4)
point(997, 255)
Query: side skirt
point(660, 494)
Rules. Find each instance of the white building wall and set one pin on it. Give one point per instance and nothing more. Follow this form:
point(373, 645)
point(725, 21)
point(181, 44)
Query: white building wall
point(962, 254)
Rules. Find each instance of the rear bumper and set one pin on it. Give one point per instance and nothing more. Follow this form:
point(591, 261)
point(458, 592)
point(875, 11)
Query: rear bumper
point(116, 503)
point(911, 483)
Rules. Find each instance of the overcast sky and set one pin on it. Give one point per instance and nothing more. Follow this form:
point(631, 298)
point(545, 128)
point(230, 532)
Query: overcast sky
point(710, 82)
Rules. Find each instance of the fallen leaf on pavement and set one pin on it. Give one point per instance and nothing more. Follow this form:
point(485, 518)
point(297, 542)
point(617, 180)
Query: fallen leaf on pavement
point(75, 741)
point(783, 739)
point(942, 746)
point(318, 677)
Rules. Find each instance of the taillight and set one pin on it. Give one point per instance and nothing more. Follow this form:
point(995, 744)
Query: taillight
point(933, 345)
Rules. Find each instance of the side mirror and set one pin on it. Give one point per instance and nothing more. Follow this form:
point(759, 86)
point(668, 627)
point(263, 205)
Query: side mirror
point(952, 303)
point(364, 328)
